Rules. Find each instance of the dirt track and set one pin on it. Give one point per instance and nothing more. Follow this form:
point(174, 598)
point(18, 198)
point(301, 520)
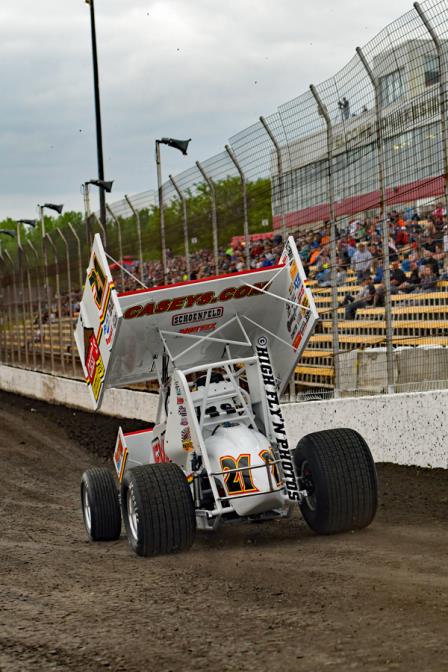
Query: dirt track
point(269, 597)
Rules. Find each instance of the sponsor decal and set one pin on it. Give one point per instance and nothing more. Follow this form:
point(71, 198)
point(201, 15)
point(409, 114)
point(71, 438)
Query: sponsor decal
point(185, 432)
point(277, 422)
point(198, 316)
point(203, 299)
point(198, 328)
point(95, 367)
point(98, 282)
point(158, 450)
point(110, 323)
point(297, 317)
point(120, 457)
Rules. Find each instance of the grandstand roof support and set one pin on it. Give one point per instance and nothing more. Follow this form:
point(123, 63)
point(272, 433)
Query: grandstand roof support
point(211, 186)
point(323, 111)
point(234, 160)
point(183, 200)
point(443, 91)
point(264, 123)
point(385, 222)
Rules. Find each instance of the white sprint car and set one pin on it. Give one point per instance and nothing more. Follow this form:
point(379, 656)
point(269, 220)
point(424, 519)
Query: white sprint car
point(223, 350)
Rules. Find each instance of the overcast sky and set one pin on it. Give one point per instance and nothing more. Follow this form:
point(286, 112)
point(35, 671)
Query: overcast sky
point(182, 68)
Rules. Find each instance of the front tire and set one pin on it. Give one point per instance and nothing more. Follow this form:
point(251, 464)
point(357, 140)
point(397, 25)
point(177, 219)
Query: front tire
point(157, 509)
point(100, 505)
point(336, 468)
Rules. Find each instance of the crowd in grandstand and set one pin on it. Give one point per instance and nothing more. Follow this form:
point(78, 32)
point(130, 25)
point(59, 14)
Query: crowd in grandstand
point(418, 254)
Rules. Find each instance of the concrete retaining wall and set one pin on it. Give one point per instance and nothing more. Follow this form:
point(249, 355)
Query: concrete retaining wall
point(410, 429)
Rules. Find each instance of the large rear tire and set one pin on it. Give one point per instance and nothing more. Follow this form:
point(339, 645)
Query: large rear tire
point(336, 468)
point(100, 505)
point(157, 509)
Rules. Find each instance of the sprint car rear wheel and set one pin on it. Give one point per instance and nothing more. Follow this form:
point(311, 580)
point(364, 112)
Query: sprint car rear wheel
point(157, 509)
point(100, 505)
point(337, 470)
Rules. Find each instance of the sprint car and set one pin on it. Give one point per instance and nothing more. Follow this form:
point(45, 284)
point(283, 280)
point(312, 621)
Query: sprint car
point(223, 350)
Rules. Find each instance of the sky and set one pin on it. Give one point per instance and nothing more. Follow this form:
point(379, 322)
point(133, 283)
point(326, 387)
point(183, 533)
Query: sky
point(182, 68)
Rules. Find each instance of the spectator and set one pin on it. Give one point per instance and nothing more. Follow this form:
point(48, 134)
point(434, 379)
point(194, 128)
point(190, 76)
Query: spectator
point(429, 261)
point(364, 298)
point(428, 280)
point(413, 282)
point(361, 261)
point(397, 276)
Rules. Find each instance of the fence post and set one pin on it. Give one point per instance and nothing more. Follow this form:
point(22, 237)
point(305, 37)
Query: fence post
point(22, 290)
point(39, 304)
point(385, 222)
point(120, 244)
point(100, 224)
point(211, 186)
point(443, 74)
point(323, 111)
point(185, 217)
point(278, 152)
point(245, 210)
point(78, 242)
point(16, 307)
point(30, 299)
point(70, 308)
point(139, 234)
point(6, 324)
point(47, 283)
point(58, 296)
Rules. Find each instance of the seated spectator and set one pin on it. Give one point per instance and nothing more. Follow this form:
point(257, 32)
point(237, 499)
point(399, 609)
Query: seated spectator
point(397, 276)
point(401, 236)
point(429, 261)
point(413, 282)
point(377, 271)
point(406, 264)
point(361, 261)
point(439, 254)
point(364, 298)
point(428, 279)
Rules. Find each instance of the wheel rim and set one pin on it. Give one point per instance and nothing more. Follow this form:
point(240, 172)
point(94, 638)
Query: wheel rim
point(86, 510)
point(132, 514)
point(307, 483)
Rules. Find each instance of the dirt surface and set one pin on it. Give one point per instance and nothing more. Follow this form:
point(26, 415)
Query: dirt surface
point(262, 597)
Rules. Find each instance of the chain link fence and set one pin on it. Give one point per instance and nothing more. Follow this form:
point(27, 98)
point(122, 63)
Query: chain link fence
point(355, 169)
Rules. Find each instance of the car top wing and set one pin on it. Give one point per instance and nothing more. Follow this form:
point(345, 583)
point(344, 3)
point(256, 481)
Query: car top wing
point(203, 321)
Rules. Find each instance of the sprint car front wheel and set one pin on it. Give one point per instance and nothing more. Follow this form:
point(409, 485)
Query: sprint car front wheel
point(158, 510)
point(337, 470)
point(100, 505)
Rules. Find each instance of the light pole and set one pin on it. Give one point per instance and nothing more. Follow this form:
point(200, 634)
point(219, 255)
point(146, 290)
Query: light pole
point(103, 186)
point(99, 133)
point(182, 146)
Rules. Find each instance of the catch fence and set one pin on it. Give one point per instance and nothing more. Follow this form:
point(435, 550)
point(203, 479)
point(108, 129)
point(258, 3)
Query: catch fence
point(356, 168)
